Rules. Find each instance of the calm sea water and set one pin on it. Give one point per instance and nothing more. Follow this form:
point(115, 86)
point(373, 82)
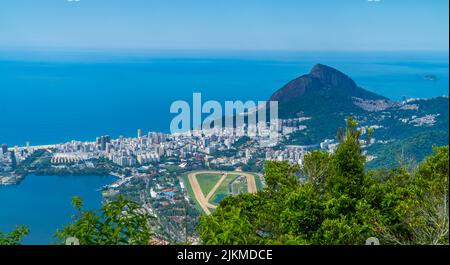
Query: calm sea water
point(43, 203)
point(54, 97)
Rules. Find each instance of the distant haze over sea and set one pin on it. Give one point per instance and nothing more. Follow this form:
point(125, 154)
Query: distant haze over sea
point(52, 97)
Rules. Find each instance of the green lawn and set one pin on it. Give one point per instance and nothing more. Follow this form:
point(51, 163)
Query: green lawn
point(190, 192)
point(259, 185)
point(207, 181)
point(222, 191)
point(223, 188)
point(172, 168)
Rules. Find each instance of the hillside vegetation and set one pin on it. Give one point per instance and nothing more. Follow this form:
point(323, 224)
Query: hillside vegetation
point(333, 200)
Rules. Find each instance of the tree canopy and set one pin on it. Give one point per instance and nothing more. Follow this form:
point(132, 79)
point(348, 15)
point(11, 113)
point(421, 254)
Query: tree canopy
point(119, 222)
point(14, 237)
point(334, 200)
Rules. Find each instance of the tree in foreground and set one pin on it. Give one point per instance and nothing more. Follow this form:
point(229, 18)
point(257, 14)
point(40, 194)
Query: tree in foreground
point(14, 237)
point(333, 200)
point(419, 203)
point(119, 222)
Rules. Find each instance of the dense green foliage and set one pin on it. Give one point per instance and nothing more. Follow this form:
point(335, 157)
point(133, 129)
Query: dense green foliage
point(120, 222)
point(14, 237)
point(333, 200)
point(97, 171)
point(30, 162)
point(412, 148)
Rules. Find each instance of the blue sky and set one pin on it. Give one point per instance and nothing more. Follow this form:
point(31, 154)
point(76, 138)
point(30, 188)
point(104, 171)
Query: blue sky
point(286, 25)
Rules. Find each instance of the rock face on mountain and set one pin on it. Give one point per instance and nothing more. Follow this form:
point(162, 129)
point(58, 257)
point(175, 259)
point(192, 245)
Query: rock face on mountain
point(329, 97)
point(324, 91)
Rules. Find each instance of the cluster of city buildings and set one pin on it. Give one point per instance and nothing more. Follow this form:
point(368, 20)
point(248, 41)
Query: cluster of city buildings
point(427, 120)
point(294, 154)
point(13, 157)
point(6, 159)
point(208, 147)
point(197, 145)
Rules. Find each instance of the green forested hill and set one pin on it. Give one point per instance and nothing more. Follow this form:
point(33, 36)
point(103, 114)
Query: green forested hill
point(411, 149)
point(334, 200)
point(329, 97)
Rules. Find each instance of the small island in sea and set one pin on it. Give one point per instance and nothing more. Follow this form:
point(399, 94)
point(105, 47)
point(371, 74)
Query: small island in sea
point(430, 77)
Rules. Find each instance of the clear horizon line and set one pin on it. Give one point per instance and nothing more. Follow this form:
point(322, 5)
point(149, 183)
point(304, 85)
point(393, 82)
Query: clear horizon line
point(218, 50)
point(151, 131)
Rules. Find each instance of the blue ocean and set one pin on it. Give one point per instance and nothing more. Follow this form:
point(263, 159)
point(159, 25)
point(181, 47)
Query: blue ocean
point(52, 97)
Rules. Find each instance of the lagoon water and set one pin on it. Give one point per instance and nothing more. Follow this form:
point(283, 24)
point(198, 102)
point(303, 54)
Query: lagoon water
point(54, 97)
point(43, 203)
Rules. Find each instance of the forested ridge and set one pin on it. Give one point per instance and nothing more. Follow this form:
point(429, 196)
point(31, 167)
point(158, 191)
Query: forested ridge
point(334, 200)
